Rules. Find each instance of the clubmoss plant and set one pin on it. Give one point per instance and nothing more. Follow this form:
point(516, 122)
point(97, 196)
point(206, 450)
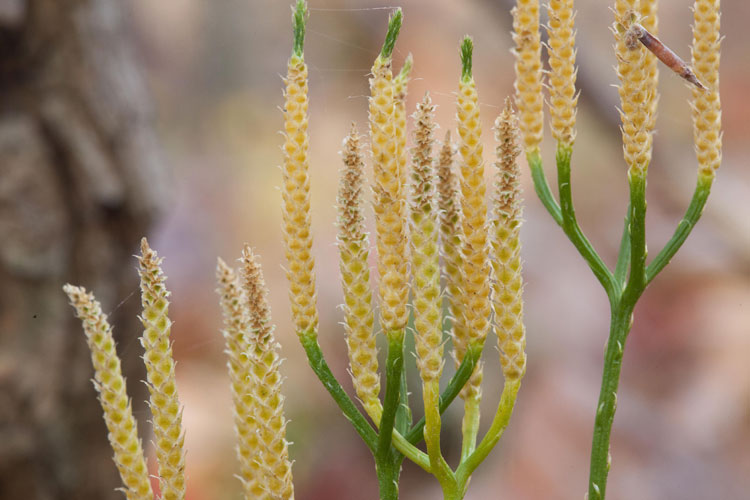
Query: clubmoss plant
point(638, 72)
point(424, 207)
point(408, 230)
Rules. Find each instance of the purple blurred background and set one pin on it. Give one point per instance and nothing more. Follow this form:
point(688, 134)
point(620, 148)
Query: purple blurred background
point(683, 426)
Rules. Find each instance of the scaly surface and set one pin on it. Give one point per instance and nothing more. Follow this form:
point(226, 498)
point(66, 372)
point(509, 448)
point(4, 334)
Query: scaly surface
point(635, 89)
point(562, 75)
point(354, 249)
point(647, 10)
point(296, 199)
point(110, 384)
point(449, 205)
point(236, 334)
point(706, 105)
point(528, 51)
point(165, 405)
point(506, 244)
point(475, 266)
point(400, 90)
point(426, 300)
point(265, 378)
point(389, 201)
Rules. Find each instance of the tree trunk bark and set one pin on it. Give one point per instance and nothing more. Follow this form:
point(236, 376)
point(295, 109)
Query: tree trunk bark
point(80, 181)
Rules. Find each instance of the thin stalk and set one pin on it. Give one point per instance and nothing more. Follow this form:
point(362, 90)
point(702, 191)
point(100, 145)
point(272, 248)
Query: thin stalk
point(387, 463)
point(621, 321)
point(457, 382)
point(440, 468)
point(411, 452)
point(494, 433)
point(693, 213)
point(470, 427)
point(388, 471)
point(570, 224)
point(542, 187)
point(320, 367)
point(623, 256)
point(636, 280)
point(403, 414)
point(393, 368)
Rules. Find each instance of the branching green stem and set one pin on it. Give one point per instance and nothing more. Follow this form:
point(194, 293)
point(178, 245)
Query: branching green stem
point(542, 187)
point(622, 293)
point(693, 213)
point(570, 224)
point(318, 364)
point(499, 423)
point(451, 391)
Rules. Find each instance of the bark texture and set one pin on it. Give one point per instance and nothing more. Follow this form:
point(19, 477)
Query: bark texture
point(80, 181)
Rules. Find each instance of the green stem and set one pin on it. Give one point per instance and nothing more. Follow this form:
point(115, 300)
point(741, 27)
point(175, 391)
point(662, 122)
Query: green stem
point(693, 213)
point(457, 382)
point(388, 471)
point(605, 411)
point(403, 414)
point(542, 187)
point(494, 433)
point(470, 426)
point(393, 368)
point(440, 468)
point(318, 363)
point(387, 461)
point(411, 452)
point(623, 257)
point(638, 252)
point(570, 224)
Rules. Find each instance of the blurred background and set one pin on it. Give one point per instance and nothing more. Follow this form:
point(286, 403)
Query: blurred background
point(188, 96)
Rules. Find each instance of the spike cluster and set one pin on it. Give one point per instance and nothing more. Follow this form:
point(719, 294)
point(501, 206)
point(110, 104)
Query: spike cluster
point(272, 454)
point(296, 196)
point(706, 105)
point(636, 94)
point(428, 335)
point(165, 405)
point(388, 203)
point(236, 331)
point(354, 250)
point(528, 51)
point(562, 75)
point(507, 284)
point(110, 384)
point(475, 261)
